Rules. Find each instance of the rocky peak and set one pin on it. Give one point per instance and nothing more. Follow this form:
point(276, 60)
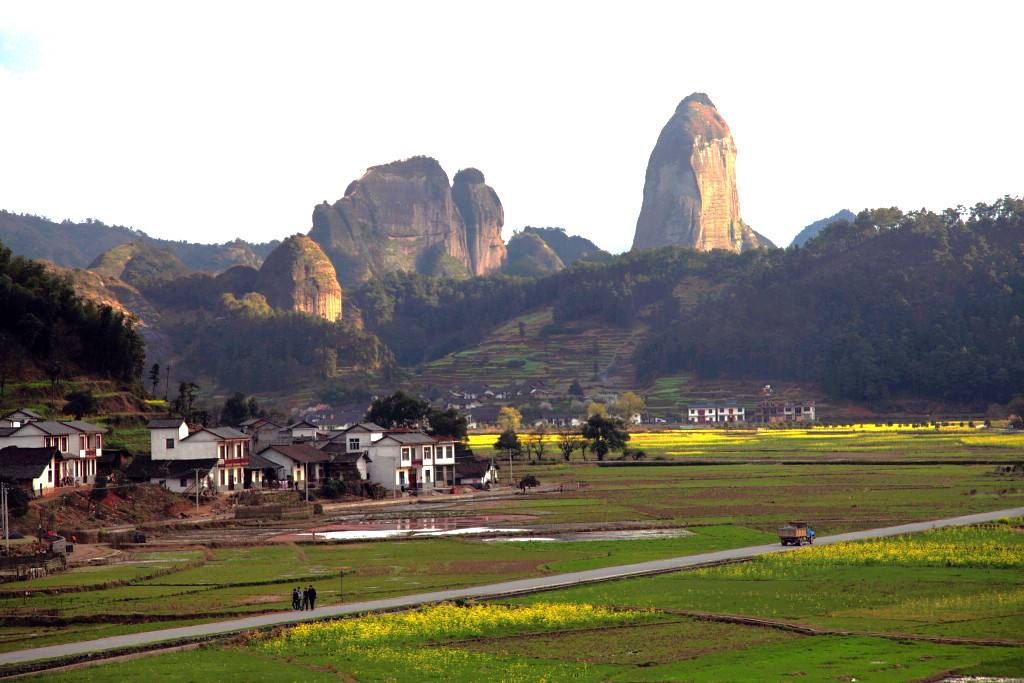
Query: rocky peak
point(690, 196)
point(530, 256)
point(404, 215)
point(298, 276)
point(483, 217)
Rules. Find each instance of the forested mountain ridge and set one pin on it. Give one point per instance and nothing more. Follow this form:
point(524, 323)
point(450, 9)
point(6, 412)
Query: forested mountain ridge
point(45, 327)
point(76, 245)
point(890, 304)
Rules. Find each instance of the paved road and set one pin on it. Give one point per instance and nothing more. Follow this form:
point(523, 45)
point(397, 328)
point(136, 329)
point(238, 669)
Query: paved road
point(487, 591)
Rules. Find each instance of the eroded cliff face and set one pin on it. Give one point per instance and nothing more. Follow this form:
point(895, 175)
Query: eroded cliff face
point(483, 217)
point(298, 276)
point(404, 216)
point(690, 196)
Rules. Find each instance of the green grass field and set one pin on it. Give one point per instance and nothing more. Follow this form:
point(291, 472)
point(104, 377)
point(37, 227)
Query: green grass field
point(649, 629)
point(239, 581)
point(837, 497)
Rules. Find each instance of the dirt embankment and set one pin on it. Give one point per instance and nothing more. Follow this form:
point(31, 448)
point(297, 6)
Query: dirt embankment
point(124, 506)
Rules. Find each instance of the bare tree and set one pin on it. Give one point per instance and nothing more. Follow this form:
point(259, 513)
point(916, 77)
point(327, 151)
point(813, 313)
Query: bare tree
point(570, 440)
point(540, 433)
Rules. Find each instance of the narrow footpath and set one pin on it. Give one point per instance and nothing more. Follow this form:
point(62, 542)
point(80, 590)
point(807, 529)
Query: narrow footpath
point(494, 590)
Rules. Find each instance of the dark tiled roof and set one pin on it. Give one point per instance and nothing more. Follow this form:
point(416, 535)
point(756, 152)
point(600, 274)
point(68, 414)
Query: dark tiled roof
point(83, 426)
point(347, 458)
point(410, 438)
point(300, 453)
point(147, 468)
point(112, 455)
point(54, 428)
point(366, 426)
point(26, 463)
point(25, 411)
point(6, 431)
point(225, 432)
point(168, 423)
point(258, 462)
point(472, 467)
point(302, 423)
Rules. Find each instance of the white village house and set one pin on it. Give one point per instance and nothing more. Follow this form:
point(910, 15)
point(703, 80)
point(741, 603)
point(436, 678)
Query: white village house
point(80, 444)
point(716, 413)
point(33, 469)
point(172, 440)
point(398, 460)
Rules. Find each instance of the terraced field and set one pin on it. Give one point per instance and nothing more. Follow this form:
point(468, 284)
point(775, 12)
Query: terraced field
point(557, 356)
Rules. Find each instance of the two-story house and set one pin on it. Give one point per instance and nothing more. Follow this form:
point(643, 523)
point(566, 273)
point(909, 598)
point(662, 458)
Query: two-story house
point(80, 445)
point(412, 460)
point(171, 439)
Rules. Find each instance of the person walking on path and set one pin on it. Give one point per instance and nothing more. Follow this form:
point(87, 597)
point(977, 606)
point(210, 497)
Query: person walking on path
point(305, 599)
point(296, 602)
point(311, 592)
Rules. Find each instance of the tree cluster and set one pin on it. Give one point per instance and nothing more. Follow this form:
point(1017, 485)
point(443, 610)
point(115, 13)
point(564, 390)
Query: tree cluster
point(43, 321)
point(891, 304)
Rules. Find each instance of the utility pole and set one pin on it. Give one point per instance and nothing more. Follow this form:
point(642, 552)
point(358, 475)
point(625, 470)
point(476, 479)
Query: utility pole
point(341, 585)
point(167, 382)
point(7, 530)
point(511, 480)
point(305, 478)
point(197, 492)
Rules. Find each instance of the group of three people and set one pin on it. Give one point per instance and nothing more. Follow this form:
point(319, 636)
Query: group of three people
point(304, 599)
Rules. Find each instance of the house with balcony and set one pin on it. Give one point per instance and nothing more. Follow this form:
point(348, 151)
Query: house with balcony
point(411, 461)
point(771, 411)
point(726, 412)
point(79, 443)
point(346, 464)
point(173, 439)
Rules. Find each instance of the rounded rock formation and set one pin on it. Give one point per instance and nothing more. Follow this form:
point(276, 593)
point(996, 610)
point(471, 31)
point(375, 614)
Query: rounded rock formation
point(690, 196)
point(298, 276)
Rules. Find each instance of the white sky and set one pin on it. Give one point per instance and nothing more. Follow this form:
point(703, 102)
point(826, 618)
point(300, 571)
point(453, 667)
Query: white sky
point(207, 121)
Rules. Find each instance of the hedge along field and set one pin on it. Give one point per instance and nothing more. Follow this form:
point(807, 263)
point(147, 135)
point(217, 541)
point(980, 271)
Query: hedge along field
point(861, 442)
point(836, 498)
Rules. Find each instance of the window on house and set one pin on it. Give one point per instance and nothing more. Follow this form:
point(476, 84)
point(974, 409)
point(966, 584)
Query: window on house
point(353, 444)
point(64, 444)
point(170, 444)
point(184, 482)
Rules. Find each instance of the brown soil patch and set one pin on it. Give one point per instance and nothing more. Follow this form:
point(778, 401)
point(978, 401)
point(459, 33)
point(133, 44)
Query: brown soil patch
point(261, 599)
